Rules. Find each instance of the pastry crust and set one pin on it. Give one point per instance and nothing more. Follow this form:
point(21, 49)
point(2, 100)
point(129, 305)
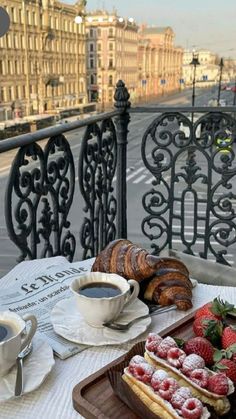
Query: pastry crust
point(170, 286)
point(154, 403)
point(160, 407)
point(132, 262)
point(220, 403)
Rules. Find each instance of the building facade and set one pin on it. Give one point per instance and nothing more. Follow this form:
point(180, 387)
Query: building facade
point(159, 62)
point(112, 45)
point(42, 61)
point(207, 72)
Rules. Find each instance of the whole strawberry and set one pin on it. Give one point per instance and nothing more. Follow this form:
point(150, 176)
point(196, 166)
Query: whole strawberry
point(208, 327)
point(200, 346)
point(218, 383)
point(227, 367)
point(218, 308)
point(228, 337)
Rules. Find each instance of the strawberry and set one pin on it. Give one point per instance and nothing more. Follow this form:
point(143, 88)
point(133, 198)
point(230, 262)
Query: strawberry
point(228, 337)
point(227, 367)
point(217, 308)
point(200, 346)
point(218, 383)
point(208, 327)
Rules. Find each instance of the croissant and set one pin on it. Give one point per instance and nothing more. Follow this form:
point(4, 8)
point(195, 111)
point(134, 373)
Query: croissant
point(170, 286)
point(128, 260)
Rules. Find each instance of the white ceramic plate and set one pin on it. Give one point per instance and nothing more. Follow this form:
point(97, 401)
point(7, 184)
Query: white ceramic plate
point(68, 323)
point(36, 367)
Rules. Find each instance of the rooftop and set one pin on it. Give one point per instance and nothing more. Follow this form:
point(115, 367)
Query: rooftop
point(155, 30)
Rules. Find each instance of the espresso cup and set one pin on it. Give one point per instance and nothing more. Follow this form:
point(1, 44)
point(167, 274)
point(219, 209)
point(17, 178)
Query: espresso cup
point(97, 310)
point(14, 337)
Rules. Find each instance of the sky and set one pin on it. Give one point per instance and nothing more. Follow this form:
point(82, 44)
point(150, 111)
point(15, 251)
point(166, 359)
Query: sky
point(209, 24)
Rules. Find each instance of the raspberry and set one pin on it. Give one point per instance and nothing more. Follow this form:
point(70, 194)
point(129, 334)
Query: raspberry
point(218, 383)
point(152, 342)
point(165, 345)
point(200, 377)
point(143, 372)
point(137, 359)
point(179, 397)
point(167, 388)
point(192, 362)
point(175, 357)
point(157, 379)
point(192, 409)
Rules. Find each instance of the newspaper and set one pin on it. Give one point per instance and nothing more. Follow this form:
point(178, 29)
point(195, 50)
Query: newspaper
point(35, 287)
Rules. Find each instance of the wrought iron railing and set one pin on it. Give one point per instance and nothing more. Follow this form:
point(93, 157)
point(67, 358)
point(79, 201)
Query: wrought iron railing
point(195, 150)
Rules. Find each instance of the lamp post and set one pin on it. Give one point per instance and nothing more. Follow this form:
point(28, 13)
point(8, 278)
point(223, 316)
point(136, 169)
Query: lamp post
point(221, 65)
point(194, 63)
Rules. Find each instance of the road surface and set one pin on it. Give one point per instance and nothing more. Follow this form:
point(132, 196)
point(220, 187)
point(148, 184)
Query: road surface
point(139, 181)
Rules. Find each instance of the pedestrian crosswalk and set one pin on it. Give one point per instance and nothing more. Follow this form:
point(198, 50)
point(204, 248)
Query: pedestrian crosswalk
point(138, 175)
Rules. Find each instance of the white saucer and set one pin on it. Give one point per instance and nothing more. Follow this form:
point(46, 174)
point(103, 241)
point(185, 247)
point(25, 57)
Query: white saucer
point(68, 323)
point(36, 367)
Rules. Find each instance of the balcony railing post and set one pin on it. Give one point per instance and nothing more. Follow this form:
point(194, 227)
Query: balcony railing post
point(122, 103)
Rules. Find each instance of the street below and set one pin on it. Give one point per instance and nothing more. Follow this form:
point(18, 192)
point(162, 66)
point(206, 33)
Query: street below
point(139, 181)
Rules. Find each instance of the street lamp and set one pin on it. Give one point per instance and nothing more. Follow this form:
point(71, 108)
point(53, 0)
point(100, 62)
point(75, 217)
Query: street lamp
point(194, 62)
point(221, 65)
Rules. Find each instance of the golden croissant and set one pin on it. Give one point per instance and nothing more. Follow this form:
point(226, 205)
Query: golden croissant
point(171, 283)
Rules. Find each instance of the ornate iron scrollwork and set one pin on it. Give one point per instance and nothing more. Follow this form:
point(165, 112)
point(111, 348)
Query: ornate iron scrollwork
point(195, 172)
point(97, 167)
point(38, 199)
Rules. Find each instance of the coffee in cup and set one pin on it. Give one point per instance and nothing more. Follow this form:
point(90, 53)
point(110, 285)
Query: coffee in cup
point(14, 337)
point(101, 297)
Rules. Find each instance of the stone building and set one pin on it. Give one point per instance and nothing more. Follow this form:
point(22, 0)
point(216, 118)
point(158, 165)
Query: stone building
point(42, 62)
point(159, 62)
point(112, 45)
point(207, 72)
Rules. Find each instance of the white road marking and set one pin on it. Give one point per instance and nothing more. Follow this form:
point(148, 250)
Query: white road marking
point(127, 171)
point(198, 242)
point(140, 178)
point(135, 173)
point(150, 180)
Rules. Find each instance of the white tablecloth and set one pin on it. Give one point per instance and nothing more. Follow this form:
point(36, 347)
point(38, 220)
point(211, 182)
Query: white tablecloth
point(53, 400)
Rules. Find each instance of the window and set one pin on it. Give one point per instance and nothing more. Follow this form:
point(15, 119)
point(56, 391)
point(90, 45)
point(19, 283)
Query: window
point(110, 62)
point(92, 79)
point(99, 32)
point(110, 80)
point(16, 67)
point(9, 93)
point(33, 18)
point(99, 47)
point(91, 63)
point(9, 66)
point(1, 94)
point(110, 31)
point(20, 16)
point(91, 33)
point(91, 47)
point(99, 62)
point(111, 47)
point(1, 67)
point(13, 14)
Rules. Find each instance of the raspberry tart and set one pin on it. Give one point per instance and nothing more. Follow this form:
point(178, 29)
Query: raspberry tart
point(190, 370)
point(162, 394)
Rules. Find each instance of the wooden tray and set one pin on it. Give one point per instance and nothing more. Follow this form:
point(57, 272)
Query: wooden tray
point(94, 397)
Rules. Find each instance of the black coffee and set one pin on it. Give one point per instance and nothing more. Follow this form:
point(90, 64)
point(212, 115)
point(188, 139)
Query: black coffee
point(6, 331)
point(99, 290)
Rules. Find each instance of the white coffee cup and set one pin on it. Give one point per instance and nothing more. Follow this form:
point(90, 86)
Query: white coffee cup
point(18, 339)
point(97, 311)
